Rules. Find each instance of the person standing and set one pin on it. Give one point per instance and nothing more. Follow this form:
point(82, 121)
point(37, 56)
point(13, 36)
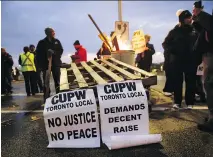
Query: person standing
point(52, 45)
point(6, 71)
point(26, 60)
point(144, 59)
point(205, 41)
point(81, 54)
point(37, 73)
point(179, 42)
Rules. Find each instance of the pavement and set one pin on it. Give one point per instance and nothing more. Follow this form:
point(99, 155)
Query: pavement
point(24, 134)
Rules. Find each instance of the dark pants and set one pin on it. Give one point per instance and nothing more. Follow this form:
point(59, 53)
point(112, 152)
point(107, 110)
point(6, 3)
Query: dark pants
point(145, 67)
point(38, 80)
point(189, 73)
point(208, 83)
point(169, 84)
point(6, 80)
point(56, 73)
point(199, 87)
point(30, 82)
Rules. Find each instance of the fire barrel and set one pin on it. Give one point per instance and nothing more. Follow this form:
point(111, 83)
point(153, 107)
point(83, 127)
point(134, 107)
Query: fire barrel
point(126, 56)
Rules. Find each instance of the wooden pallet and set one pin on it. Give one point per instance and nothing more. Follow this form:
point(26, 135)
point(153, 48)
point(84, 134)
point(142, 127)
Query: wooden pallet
point(89, 74)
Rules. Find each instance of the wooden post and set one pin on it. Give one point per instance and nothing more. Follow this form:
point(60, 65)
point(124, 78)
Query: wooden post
point(100, 31)
point(120, 10)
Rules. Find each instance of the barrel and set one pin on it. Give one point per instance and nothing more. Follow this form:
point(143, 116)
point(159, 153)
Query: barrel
point(126, 56)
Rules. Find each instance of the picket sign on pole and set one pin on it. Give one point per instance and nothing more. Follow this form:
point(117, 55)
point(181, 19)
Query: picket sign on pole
point(124, 115)
point(71, 120)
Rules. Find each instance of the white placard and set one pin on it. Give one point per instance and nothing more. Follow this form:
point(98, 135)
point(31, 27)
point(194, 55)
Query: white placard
point(122, 30)
point(71, 120)
point(118, 142)
point(123, 109)
point(200, 70)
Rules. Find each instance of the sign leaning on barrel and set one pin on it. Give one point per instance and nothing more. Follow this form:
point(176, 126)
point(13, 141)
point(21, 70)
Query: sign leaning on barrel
point(71, 120)
point(123, 110)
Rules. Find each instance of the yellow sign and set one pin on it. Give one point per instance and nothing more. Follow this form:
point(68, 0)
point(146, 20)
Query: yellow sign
point(138, 41)
point(107, 38)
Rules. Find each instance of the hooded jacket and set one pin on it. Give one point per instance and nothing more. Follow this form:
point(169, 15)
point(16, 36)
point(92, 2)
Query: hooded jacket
point(80, 55)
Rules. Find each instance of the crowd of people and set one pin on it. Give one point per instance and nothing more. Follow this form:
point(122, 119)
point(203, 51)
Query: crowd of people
point(34, 64)
point(186, 46)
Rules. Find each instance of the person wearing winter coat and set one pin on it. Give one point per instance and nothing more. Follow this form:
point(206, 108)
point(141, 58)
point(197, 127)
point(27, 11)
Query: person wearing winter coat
point(179, 44)
point(39, 84)
point(6, 71)
point(50, 44)
point(144, 59)
point(204, 44)
point(81, 54)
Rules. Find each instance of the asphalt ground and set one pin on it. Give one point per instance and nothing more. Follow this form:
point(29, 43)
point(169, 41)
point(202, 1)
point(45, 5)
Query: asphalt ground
point(24, 134)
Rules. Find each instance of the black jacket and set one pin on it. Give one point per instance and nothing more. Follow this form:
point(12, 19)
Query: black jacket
point(178, 45)
point(6, 62)
point(146, 62)
point(41, 53)
point(205, 22)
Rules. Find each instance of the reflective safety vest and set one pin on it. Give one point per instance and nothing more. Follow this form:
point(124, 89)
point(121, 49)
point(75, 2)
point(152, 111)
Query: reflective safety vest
point(27, 62)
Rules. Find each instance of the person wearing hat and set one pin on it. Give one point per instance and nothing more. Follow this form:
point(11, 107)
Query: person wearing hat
point(81, 54)
point(37, 73)
point(197, 8)
point(144, 59)
point(204, 44)
point(52, 45)
point(6, 71)
point(179, 45)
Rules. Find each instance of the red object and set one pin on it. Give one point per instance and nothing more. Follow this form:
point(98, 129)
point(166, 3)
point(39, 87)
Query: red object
point(80, 55)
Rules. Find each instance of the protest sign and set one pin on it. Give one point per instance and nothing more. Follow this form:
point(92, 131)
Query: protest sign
point(71, 120)
point(123, 109)
point(138, 41)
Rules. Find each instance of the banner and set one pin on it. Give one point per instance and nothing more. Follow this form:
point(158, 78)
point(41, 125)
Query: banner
point(123, 110)
point(138, 41)
point(118, 142)
point(71, 120)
